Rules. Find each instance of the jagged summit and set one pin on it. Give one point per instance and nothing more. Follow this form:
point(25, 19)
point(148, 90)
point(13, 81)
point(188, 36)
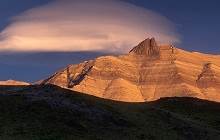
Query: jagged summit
point(147, 47)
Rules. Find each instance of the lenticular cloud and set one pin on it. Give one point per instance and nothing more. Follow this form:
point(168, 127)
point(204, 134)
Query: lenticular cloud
point(85, 25)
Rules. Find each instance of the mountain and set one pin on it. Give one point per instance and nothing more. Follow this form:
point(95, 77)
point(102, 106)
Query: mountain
point(13, 82)
point(48, 112)
point(148, 72)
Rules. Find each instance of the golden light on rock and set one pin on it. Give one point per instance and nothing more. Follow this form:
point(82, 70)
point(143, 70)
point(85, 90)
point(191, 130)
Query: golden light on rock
point(149, 72)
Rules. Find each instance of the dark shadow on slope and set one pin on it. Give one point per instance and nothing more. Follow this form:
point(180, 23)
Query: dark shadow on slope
point(50, 112)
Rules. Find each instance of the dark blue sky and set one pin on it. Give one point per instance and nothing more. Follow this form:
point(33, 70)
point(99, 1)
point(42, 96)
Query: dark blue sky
point(197, 21)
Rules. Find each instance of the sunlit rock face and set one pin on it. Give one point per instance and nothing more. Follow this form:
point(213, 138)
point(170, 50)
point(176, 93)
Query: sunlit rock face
point(13, 83)
point(147, 47)
point(149, 72)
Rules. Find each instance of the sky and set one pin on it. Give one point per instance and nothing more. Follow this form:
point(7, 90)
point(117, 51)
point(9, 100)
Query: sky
point(39, 37)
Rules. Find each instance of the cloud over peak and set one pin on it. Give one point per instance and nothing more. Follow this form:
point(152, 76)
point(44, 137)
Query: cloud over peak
point(85, 25)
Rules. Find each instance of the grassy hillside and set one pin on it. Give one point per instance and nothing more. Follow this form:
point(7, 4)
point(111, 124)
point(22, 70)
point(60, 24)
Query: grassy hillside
point(53, 113)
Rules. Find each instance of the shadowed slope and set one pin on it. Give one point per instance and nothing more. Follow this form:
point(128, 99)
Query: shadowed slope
point(50, 112)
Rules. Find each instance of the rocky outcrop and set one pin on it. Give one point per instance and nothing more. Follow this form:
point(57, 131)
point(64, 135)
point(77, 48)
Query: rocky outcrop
point(207, 78)
point(148, 47)
point(209, 81)
point(149, 72)
point(13, 83)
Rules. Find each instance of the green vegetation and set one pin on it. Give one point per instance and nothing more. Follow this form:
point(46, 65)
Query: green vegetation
point(53, 113)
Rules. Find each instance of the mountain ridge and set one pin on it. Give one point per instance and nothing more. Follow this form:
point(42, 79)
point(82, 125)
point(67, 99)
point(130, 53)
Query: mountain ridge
point(13, 82)
point(148, 72)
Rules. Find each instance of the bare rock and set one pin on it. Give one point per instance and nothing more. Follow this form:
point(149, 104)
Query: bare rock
point(148, 47)
point(149, 72)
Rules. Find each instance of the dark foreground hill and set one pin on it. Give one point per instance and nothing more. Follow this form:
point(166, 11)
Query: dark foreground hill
point(52, 113)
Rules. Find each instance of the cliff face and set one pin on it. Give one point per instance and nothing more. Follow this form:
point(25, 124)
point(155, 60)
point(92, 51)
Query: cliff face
point(147, 73)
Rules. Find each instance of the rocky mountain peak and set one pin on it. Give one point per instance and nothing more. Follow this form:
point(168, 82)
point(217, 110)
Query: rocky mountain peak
point(147, 47)
point(149, 72)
